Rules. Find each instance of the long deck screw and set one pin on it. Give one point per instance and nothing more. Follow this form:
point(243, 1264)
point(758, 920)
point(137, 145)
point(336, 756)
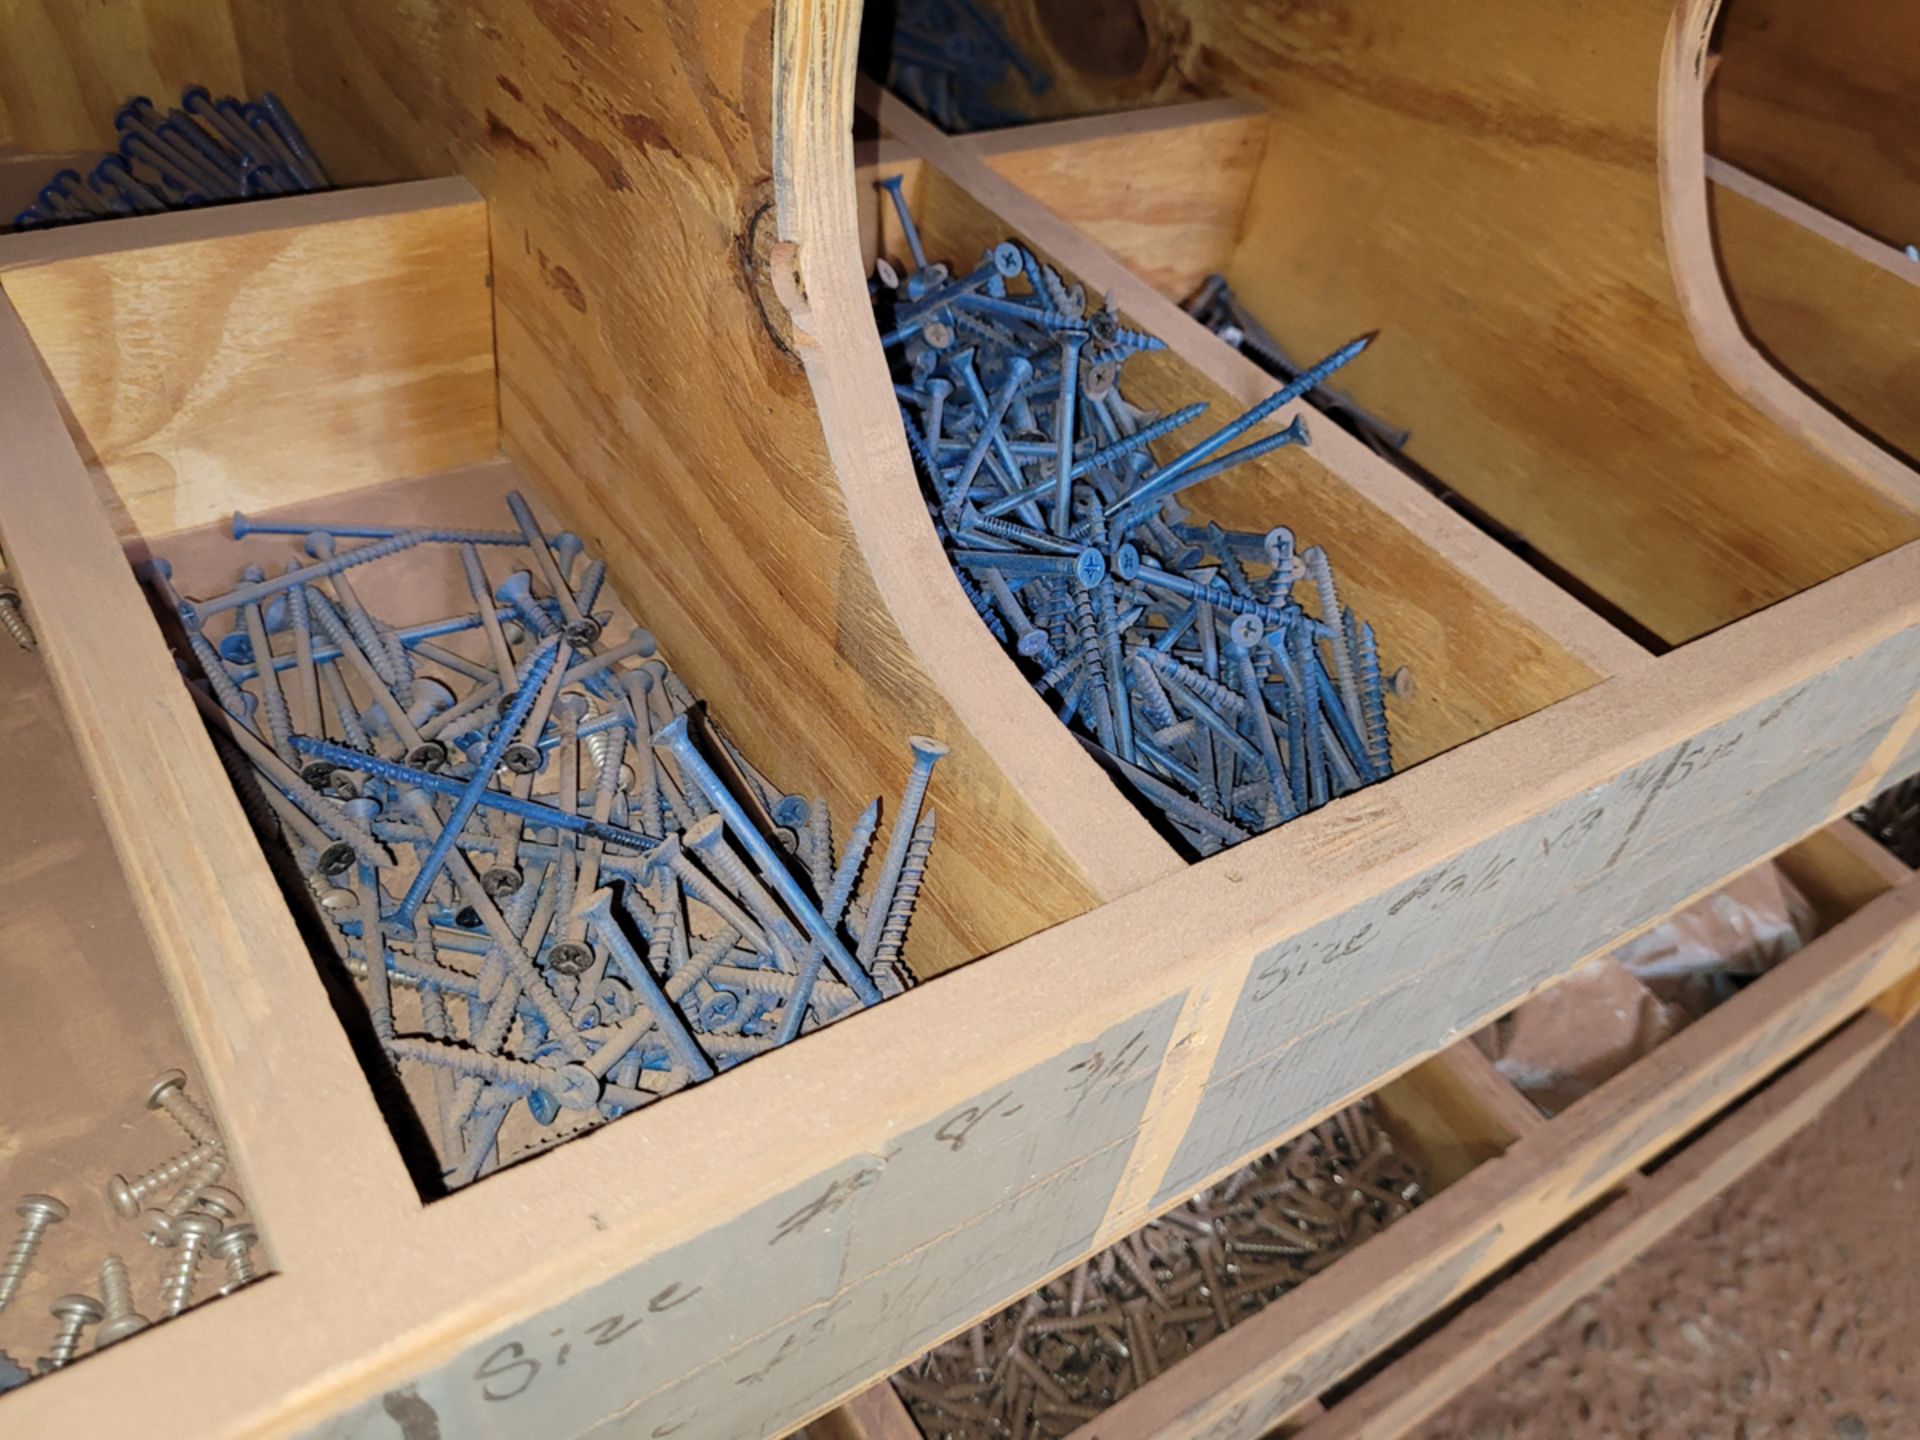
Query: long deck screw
point(37, 1213)
point(116, 1294)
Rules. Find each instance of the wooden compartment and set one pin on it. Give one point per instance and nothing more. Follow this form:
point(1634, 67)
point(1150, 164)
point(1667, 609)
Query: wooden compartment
point(1522, 1179)
point(1534, 247)
point(684, 359)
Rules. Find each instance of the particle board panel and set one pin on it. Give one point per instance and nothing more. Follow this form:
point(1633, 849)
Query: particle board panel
point(66, 68)
point(288, 350)
point(1822, 102)
point(1844, 328)
point(652, 378)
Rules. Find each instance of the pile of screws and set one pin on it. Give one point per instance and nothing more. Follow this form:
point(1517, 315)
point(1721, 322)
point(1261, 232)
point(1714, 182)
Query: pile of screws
point(945, 57)
point(204, 151)
point(563, 892)
point(1046, 1366)
point(198, 1222)
point(1176, 652)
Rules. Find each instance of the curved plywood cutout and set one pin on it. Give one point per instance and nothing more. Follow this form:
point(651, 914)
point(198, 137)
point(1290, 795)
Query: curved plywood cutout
point(1700, 285)
point(652, 380)
point(1823, 101)
point(1481, 182)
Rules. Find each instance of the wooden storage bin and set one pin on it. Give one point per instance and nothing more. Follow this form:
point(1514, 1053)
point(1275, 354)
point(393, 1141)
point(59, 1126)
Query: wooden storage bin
point(686, 370)
point(1597, 1184)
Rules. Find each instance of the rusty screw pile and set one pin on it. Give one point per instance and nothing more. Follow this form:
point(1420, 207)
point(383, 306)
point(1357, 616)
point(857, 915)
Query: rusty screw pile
point(203, 1216)
point(562, 892)
point(1176, 652)
point(201, 152)
point(1044, 1367)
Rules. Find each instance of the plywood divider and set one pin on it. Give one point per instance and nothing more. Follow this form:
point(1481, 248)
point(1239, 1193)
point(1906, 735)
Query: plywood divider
point(264, 353)
point(1420, 1382)
point(1587, 637)
point(1701, 289)
point(283, 1078)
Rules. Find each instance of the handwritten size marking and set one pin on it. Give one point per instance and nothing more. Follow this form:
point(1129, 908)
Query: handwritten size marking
point(1295, 958)
point(1115, 1069)
point(507, 1372)
point(829, 1201)
point(955, 1131)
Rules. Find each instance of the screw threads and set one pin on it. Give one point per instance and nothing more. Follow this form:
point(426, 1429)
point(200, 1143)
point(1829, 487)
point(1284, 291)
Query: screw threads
point(66, 1344)
point(116, 1288)
point(183, 1271)
point(232, 699)
point(195, 1122)
point(126, 1197)
point(1321, 573)
point(1203, 686)
point(498, 1068)
point(1373, 705)
point(926, 754)
point(26, 1244)
point(14, 621)
point(206, 1173)
point(241, 1269)
point(893, 932)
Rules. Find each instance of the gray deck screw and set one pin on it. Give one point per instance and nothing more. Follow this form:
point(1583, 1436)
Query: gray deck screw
point(75, 1313)
point(37, 1213)
point(125, 1195)
point(926, 754)
point(235, 1247)
point(116, 1294)
point(193, 1233)
point(169, 1093)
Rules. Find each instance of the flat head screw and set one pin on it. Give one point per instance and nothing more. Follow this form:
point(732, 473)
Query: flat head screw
point(927, 753)
point(168, 1093)
point(75, 1313)
point(116, 1294)
point(37, 1214)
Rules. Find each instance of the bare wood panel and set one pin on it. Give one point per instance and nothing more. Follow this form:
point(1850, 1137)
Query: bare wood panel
point(1824, 101)
point(1165, 189)
point(1472, 674)
point(1420, 1382)
point(650, 378)
point(319, 344)
point(236, 968)
point(1846, 329)
point(66, 68)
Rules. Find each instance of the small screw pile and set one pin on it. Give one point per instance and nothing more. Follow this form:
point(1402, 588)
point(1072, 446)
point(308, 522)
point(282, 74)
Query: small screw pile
point(198, 1220)
point(204, 151)
point(945, 57)
point(1176, 652)
point(1044, 1367)
point(562, 893)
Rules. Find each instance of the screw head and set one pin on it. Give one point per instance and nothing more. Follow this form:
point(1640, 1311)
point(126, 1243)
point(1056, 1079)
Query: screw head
point(582, 632)
point(317, 773)
point(706, 833)
point(235, 1240)
point(1246, 630)
point(236, 648)
point(792, 811)
point(221, 1203)
point(427, 755)
point(84, 1308)
point(925, 747)
point(160, 1228)
point(121, 1197)
point(204, 1226)
point(570, 957)
point(1089, 568)
point(171, 1080)
point(522, 759)
point(1401, 683)
point(576, 1087)
point(336, 859)
point(319, 544)
point(44, 1208)
point(500, 882)
point(1031, 643)
point(1126, 561)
